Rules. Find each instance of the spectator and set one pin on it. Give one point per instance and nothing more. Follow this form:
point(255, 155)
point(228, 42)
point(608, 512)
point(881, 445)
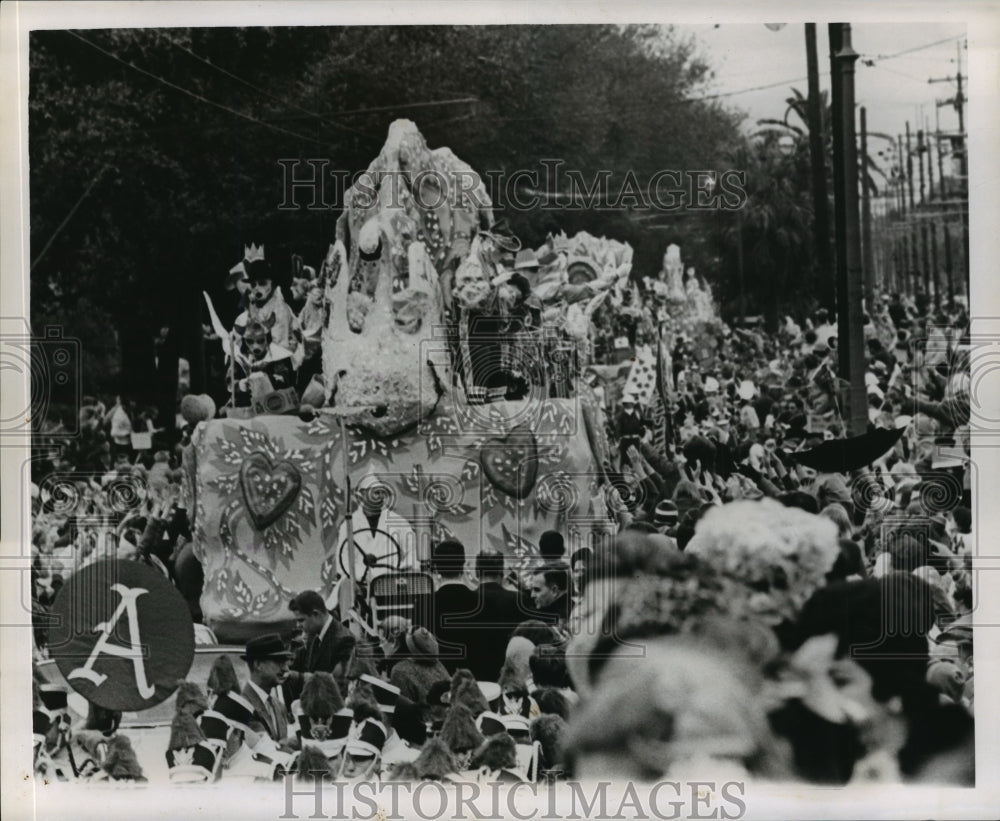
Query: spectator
point(417, 674)
point(552, 547)
point(328, 644)
point(455, 601)
point(550, 592)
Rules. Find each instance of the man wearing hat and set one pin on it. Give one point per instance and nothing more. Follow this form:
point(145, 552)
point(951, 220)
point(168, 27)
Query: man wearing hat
point(268, 661)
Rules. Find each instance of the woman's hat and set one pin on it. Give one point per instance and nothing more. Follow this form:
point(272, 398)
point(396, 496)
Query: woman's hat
point(666, 514)
point(421, 642)
point(269, 646)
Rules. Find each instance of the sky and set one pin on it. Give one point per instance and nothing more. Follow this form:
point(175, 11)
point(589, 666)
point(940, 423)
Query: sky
point(893, 90)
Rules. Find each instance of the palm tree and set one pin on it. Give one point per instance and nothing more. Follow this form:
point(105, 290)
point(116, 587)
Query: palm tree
point(774, 229)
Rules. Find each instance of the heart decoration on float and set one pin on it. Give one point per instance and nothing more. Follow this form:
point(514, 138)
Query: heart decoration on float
point(511, 462)
point(269, 488)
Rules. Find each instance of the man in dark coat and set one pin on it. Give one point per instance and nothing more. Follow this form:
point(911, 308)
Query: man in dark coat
point(550, 591)
point(498, 613)
point(454, 601)
point(329, 644)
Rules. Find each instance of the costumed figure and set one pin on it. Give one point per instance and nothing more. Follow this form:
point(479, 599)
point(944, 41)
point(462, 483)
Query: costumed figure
point(265, 303)
point(311, 320)
point(261, 364)
point(384, 541)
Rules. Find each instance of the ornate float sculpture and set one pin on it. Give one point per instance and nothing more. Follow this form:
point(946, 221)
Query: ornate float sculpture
point(414, 250)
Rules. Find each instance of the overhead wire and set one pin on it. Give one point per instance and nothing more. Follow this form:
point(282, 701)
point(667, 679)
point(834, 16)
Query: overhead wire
point(915, 48)
point(194, 94)
point(262, 91)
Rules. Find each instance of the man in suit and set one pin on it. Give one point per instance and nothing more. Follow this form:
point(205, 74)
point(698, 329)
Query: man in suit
point(329, 644)
point(454, 600)
point(498, 615)
point(268, 660)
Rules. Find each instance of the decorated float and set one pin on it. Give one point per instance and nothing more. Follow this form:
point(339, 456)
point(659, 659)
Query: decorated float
point(449, 387)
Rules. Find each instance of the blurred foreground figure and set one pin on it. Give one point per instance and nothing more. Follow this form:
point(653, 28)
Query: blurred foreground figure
point(682, 711)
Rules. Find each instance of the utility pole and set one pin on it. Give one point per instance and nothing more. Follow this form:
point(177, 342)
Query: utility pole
point(866, 216)
point(923, 223)
point(907, 266)
point(943, 194)
point(817, 161)
point(935, 271)
point(850, 320)
point(963, 158)
point(914, 252)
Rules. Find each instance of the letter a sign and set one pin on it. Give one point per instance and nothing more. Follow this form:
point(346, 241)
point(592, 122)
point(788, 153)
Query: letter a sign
point(124, 636)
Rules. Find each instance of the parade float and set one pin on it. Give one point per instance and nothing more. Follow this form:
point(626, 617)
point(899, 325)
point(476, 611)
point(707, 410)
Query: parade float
point(449, 383)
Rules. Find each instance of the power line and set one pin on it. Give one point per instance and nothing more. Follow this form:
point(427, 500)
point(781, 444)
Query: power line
point(193, 94)
point(401, 106)
point(68, 217)
point(260, 90)
point(76, 206)
point(893, 71)
point(915, 48)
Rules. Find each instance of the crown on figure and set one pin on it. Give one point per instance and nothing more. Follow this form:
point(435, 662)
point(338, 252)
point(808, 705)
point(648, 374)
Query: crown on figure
point(253, 253)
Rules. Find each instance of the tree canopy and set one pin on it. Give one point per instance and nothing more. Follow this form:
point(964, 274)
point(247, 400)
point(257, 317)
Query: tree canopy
point(155, 152)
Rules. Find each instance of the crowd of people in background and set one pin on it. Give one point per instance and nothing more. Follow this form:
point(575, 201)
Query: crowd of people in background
point(746, 618)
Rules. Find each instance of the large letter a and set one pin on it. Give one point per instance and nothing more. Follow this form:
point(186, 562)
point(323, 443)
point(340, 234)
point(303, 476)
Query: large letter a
point(133, 651)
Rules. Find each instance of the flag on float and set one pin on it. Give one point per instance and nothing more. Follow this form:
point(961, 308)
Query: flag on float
point(659, 419)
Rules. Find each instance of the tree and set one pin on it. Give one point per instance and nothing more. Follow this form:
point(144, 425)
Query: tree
point(155, 152)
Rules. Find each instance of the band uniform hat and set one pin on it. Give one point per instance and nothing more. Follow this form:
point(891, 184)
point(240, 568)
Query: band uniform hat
point(194, 764)
point(369, 740)
point(491, 724)
point(329, 734)
point(234, 708)
point(269, 646)
point(386, 694)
